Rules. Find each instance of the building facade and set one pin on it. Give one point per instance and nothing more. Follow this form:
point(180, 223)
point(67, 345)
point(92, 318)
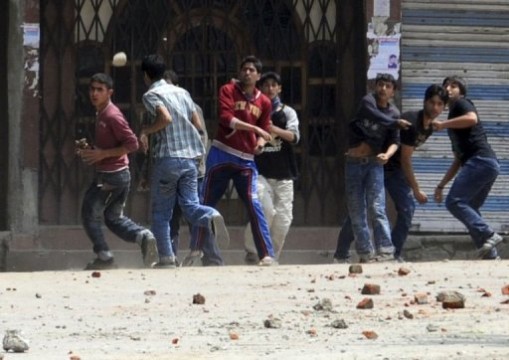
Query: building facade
point(326, 51)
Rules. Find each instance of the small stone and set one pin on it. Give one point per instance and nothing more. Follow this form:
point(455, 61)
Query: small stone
point(312, 332)
point(73, 357)
point(14, 341)
point(149, 292)
point(421, 298)
point(451, 299)
point(175, 341)
point(370, 289)
point(272, 323)
point(369, 334)
point(408, 314)
point(365, 303)
point(403, 271)
point(505, 290)
point(339, 324)
point(324, 305)
point(96, 274)
point(234, 335)
point(355, 269)
point(38, 296)
point(198, 299)
point(432, 328)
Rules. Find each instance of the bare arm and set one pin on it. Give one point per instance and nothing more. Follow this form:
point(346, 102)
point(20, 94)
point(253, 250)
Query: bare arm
point(384, 157)
point(451, 172)
point(408, 171)
point(461, 122)
point(284, 134)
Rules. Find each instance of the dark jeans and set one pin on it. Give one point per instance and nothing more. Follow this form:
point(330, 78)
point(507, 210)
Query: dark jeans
point(108, 200)
point(468, 193)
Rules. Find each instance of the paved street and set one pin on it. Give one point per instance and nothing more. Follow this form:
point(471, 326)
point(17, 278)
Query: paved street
point(285, 312)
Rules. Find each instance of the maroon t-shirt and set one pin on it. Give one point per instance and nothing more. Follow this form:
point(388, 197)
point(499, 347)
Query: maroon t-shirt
point(111, 131)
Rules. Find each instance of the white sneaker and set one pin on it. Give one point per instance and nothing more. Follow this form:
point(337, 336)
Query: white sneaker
point(490, 243)
point(268, 261)
point(220, 232)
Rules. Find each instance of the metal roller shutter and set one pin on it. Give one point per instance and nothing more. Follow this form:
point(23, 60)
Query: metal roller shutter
point(471, 39)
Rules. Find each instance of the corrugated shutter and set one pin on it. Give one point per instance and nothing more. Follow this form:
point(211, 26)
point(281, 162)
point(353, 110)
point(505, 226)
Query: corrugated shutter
point(471, 39)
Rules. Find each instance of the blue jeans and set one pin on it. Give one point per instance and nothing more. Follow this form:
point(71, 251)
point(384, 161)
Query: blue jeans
point(106, 197)
point(403, 198)
point(365, 194)
point(468, 193)
point(172, 178)
point(175, 222)
point(221, 168)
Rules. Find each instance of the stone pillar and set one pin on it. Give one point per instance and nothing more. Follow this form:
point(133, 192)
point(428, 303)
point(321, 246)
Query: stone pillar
point(23, 104)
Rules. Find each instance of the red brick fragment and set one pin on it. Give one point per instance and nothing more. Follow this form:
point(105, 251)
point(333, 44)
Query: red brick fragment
point(371, 289)
point(403, 271)
point(96, 274)
point(365, 303)
point(198, 299)
point(505, 290)
point(371, 335)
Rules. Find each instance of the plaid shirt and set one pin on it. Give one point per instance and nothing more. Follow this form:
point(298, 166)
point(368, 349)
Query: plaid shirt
point(179, 139)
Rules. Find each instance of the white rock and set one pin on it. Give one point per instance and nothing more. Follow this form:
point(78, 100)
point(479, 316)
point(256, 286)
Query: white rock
point(14, 341)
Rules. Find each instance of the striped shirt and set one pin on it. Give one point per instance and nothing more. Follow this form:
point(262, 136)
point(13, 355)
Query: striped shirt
point(179, 139)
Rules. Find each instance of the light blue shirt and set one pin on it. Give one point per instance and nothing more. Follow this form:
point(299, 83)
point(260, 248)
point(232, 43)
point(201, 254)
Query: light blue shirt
point(180, 138)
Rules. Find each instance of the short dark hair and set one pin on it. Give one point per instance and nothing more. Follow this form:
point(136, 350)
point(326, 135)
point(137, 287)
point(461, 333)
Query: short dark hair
point(270, 75)
point(457, 80)
point(387, 78)
point(171, 76)
point(436, 90)
point(252, 59)
point(102, 78)
point(154, 66)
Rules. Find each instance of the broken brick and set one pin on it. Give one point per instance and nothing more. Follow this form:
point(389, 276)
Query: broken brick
point(370, 289)
point(403, 271)
point(365, 303)
point(371, 335)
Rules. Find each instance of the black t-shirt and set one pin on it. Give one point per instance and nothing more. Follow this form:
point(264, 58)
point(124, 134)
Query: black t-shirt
point(374, 125)
point(470, 141)
point(414, 136)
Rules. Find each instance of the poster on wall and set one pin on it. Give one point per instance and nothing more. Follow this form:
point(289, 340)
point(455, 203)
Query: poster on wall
point(384, 57)
point(383, 48)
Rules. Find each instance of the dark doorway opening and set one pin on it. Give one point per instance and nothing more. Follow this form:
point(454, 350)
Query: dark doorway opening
point(4, 113)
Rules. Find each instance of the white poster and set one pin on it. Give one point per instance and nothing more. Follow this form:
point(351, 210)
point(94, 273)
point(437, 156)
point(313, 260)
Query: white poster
point(382, 8)
point(31, 35)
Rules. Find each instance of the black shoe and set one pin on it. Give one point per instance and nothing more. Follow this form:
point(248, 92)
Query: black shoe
point(99, 264)
point(149, 249)
point(251, 259)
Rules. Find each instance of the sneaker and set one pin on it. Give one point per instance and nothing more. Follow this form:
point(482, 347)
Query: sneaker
point(366, 258)
point(268, 261)
point(98, 264)
point(384, 257)
point(490, 243)
point(218, 228)
point(166, 262)
point(251, 258)
point(149, 249)
point(399, 258)
point(193, 258)
point(341, 261)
